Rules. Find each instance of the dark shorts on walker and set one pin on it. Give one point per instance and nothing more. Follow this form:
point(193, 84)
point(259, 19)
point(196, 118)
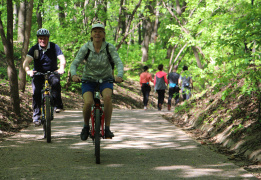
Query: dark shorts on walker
point(90, 86)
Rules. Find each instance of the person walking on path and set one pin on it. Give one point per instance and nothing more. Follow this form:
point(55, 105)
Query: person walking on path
point(173, 79)
point(97, 68)
point(145, 79)
point(160, 85)
point(186, 84)
point(44, 54)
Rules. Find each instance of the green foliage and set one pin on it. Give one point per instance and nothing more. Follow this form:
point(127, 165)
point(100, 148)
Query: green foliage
point(3, 73)
point(226, 32)
point(237, 128)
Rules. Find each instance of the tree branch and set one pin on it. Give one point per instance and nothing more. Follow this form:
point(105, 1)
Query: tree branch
point(126, 35)
point(177, 19)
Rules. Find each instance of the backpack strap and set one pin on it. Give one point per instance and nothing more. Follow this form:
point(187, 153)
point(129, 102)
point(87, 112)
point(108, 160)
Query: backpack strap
point(109, 57)
point(87, 55)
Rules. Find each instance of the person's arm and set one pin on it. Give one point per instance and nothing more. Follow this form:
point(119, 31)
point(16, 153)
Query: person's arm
point(180, 81)
point(62, 64)
point(155, 79)
point(78, 59)
point(117, 61)
point(150, 79)
point(26, 66)
point(166, 80)
point(140, 80)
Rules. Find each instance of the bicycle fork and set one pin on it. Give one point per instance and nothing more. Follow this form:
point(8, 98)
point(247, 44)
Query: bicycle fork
point(46, 92)
point(97, 105)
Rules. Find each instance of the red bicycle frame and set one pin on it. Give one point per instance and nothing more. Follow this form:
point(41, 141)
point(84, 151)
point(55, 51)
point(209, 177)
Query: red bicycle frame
point(97, 106)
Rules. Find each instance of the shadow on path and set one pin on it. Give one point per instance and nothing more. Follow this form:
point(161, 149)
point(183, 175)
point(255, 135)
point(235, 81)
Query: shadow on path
point(145, 147)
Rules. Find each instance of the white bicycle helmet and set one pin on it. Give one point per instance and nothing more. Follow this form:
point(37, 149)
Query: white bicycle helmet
point(43, 32)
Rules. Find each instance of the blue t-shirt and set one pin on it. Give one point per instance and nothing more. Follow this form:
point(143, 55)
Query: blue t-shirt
point(47, 59)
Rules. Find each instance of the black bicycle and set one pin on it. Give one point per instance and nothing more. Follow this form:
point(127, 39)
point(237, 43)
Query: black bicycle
point(47, 105)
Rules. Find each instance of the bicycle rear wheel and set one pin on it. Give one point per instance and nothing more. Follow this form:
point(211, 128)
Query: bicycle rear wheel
point(97, 134)
point(48, 119)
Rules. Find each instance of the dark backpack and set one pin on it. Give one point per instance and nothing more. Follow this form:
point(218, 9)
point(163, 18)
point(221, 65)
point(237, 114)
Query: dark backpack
point(160, 83)
point(108, 53)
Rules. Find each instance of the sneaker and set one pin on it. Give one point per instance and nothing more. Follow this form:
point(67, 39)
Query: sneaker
point(169, 107)
point(108, 134)
point(159, 107)
point(57, 110)
point(37, 122)
point(85, 133)
point(145, 107)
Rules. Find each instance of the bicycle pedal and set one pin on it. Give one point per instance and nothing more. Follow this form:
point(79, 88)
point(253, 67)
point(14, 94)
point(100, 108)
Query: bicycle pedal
point(37, 124)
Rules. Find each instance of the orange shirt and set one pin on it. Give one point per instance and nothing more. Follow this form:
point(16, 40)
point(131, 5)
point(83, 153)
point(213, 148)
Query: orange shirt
point(145, 77)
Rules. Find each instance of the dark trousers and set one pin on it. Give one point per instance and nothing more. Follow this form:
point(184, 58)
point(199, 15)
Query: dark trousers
point(145, 89)
point(186, 93)
point(161, 96)
point(37, 84)
point(173, 93)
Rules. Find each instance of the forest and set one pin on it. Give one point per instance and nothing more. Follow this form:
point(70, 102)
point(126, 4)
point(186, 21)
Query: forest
point(219, 40)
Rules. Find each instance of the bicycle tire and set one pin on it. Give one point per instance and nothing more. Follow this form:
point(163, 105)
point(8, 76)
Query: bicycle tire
point(48, 119)
point(97, 134)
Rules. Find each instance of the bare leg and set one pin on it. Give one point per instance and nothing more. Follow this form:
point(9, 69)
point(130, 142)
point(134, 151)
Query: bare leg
point(88, 101)
point(106, 94)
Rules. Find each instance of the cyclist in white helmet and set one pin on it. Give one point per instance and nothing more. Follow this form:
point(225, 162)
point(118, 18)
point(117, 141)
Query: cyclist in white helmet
point(44, 56)
point(97, 67)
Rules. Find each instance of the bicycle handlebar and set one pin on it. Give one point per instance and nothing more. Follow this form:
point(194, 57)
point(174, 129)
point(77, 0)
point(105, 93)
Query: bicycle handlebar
point(98, 81)
point(47, 73)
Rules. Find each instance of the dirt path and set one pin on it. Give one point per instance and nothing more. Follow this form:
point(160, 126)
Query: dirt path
point(145, 147)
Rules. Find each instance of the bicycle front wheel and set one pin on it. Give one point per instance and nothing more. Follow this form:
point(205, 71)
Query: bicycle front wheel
point(97, 134)
point(48, 119)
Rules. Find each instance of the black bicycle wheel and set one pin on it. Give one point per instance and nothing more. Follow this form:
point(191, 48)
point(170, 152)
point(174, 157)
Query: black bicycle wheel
point(97, 134)
point(48, 119)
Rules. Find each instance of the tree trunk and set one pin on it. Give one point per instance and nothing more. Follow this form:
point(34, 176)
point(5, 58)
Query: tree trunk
point(140, 34)
point(15, 12)
point(178, 55)
point(171, 57)
point(38, 15)
point(21, 21)
point(128, 31)
point(197, 57)
point(119, 21)
point(85, 18)
point(147, 27)
point(61, 13)
point(28, 23)
point(9, 52)
point(156, 23)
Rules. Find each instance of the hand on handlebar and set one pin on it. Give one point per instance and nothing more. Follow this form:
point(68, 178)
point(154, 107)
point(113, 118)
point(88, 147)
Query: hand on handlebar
point(118, 79)
point(60, 71)
point(76, 78)
point(30, 73)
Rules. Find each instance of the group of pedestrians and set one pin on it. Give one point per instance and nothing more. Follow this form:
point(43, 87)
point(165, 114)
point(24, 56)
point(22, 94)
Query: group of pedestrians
point(161, 81)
